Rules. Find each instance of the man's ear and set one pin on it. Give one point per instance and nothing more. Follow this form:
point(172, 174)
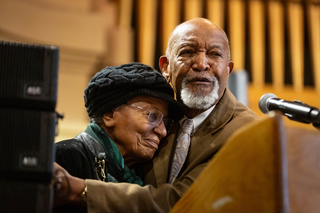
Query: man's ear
point(230, 67)
point(108, 119)
point(163, 64)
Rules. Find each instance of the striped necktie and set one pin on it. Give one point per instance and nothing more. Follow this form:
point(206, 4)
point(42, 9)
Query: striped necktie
point(181, 152)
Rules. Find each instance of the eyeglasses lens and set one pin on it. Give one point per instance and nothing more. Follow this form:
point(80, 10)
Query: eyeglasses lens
point(155, 117)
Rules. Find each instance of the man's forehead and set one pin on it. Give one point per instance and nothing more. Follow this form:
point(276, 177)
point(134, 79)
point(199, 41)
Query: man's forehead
point(189, 27)
point(192, 42)
point(189, 35)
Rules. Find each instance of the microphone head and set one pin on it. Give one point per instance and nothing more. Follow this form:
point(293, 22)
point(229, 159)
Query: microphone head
point(263, 102)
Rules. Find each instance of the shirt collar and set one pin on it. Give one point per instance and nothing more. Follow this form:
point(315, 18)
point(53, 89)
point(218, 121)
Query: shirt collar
point(197, 120)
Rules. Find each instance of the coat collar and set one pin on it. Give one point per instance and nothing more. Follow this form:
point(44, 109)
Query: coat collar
point(221, 114)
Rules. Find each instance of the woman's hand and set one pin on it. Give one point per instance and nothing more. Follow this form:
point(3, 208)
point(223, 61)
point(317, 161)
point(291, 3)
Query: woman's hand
point(67, 188)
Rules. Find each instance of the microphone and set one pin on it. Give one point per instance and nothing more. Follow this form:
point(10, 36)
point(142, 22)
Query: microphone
point(295, 110)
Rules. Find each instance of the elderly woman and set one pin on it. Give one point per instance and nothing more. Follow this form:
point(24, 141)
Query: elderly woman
point(130, 108)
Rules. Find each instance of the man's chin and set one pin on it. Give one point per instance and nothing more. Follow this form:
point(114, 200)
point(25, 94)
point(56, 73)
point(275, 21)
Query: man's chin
point(199, 100)
point(200, 91)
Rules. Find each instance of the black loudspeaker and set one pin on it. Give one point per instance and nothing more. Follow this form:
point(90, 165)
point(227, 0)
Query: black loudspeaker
point(25, 197)
point(28, 97)
point(26, 144)
point(28, 75)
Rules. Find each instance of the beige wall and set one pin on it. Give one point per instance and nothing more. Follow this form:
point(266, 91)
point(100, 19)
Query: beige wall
point(80, 32)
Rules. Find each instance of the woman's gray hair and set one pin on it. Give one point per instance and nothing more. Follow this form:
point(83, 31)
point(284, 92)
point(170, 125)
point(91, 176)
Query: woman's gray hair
point(96, 119)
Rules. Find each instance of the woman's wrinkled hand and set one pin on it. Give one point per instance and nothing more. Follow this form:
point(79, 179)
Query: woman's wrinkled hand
point(67, 188)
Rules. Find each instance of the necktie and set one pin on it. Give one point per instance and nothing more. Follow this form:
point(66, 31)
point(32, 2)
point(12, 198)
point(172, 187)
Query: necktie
point(182, 148)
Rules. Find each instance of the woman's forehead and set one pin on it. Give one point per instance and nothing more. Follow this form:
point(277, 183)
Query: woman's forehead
point(149, 100)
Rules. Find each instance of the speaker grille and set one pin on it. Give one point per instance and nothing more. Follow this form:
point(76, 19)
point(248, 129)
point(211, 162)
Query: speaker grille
point(28, 75)
point(26, 144)
point(26, 197)
point(22, 62)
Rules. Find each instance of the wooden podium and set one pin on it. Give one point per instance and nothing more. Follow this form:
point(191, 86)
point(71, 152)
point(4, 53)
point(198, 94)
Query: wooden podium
point(263, 167)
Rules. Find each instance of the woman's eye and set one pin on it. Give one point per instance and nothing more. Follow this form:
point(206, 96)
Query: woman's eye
point(152, 117)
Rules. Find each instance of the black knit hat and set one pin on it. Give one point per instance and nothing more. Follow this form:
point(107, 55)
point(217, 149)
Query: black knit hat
point(116, 85)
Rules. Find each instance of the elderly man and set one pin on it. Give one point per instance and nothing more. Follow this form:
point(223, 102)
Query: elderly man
point(197, 63)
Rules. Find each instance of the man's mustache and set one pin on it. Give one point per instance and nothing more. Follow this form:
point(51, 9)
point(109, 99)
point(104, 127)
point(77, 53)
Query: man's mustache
point(199, 77)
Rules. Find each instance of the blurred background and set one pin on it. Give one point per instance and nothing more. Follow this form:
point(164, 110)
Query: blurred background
point(275, 44)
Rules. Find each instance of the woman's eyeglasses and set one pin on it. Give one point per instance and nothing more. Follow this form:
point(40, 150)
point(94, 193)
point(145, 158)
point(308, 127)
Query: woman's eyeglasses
point(155, 117)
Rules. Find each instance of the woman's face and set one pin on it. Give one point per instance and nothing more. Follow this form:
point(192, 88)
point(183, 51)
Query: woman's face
point(128, 127)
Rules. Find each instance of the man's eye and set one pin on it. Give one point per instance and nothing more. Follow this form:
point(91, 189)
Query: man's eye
point(215, 54)
point(186, 52)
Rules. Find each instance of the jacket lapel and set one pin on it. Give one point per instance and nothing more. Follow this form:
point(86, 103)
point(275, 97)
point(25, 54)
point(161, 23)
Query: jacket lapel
point(163, 156)
point(204, 139)
point(221, 114)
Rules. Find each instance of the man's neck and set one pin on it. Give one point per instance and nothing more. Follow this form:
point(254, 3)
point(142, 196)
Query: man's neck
point(198, 119)
point(191, 113)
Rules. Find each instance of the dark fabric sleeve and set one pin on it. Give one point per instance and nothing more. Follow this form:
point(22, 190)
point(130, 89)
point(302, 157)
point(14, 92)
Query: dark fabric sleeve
point(75, 158)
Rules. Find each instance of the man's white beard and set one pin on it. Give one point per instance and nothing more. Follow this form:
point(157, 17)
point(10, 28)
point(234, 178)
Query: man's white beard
point(198, 100)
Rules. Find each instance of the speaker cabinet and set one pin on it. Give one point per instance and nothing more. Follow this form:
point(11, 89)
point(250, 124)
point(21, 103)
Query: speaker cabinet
point(26, 144)
point(28, 75)
point(28, 96)
point(25, 196)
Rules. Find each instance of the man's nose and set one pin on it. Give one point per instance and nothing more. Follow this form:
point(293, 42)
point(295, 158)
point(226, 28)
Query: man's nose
point(201, 62)
point(160, 130)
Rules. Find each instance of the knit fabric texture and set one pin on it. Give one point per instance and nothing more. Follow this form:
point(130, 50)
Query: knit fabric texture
point(116, 85)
